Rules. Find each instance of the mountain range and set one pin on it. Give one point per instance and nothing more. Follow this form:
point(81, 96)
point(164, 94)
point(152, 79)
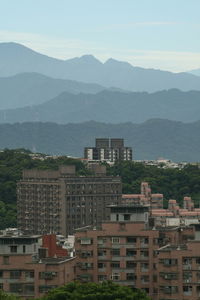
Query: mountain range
point(150, 140)
point(110, 106)
point(16, 58)
point(32, 88)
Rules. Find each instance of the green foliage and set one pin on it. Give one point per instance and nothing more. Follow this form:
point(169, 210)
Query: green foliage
point(173, 183)
point(95, 291)
point(4, 296)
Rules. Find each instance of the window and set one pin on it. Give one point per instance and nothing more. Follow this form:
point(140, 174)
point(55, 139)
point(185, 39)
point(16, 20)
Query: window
point(47, 275)
point(85, 254)
point(24, 249)
point(144, 241)
point(15, 274)
point(101, 265)
point(86, 241)
point(169, 289)
point(13, 249)
point(1, 274)
point(101, 253)
point(131, 239)
point(187, 290)
point(29, 274)
point(115, 252)
point(5, 260)
point(115, 240)
point(131, 252)
point(115, 264)
point(144, 254)
point(127, 217)
point(102, 277)
point(169, 261)
point(145, 279)
point(130, 265)
point(115, 276)
point(144, 267)
point(101, 241)
point(130, 276)
point(16, 288)
point(29, 289)
point(46, 288)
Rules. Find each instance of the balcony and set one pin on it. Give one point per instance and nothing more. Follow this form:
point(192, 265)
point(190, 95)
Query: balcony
point(127, 282)
point(187, 267)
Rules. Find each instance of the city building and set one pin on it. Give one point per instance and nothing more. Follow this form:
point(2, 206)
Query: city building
point(60, 201)
point(32, 265)
point(163, 261)
point(144, 198)
point(108, 150)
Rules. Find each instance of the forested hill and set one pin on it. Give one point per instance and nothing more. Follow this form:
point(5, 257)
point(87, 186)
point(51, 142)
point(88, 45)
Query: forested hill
point(173, 183)
point(155, 138)
point(110, 106)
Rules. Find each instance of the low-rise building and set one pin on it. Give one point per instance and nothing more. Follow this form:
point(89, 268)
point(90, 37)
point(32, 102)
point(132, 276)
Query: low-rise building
point(32, 265)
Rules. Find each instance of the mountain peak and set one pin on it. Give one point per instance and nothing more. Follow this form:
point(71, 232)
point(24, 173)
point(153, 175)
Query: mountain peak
point(113, 62)
point(12, 46)
point(89, 59)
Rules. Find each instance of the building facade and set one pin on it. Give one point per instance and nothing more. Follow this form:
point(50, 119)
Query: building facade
point(60, 201)
point(154, 201)
point(109, 150)
point(163, 261)
point(27, 269)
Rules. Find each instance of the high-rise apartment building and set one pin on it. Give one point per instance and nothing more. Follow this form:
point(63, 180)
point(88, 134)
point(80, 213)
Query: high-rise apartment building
point(109, 150)
point(60, 201)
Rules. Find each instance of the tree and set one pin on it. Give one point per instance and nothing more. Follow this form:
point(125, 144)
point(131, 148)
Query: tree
point(95, 291)
point(4, 296)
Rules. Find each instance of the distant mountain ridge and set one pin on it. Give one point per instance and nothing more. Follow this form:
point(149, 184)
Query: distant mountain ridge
point(16, 58)
point(195, 72)
point(33, 88)
point(150, 140)
point(110, 106)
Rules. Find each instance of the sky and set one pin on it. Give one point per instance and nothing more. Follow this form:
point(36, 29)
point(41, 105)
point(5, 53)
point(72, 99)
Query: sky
point(159, 34)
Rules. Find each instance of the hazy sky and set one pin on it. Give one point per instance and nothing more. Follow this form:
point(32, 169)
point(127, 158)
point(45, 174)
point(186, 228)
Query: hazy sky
point(162, 34)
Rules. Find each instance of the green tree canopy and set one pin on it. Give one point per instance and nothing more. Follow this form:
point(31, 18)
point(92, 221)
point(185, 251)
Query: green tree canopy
point(95, 291)
point(4, 296)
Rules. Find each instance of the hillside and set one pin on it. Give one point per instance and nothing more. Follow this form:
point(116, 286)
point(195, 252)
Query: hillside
point(16, 58)
point(110, 106)
point(155, 138)
point(33, 88)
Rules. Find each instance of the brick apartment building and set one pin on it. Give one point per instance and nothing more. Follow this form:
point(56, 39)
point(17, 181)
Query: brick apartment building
point(31, 265)
point(109, 150)
point(60, 201)
point(154, 201)
point(163, 261)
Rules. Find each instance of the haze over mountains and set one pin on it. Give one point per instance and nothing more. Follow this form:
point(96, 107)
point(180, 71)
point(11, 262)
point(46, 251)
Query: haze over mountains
point(150, 140)
point(195, 72)
point(32, 88)
point(15, 58)
point(37, 88)
point(110, 106)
